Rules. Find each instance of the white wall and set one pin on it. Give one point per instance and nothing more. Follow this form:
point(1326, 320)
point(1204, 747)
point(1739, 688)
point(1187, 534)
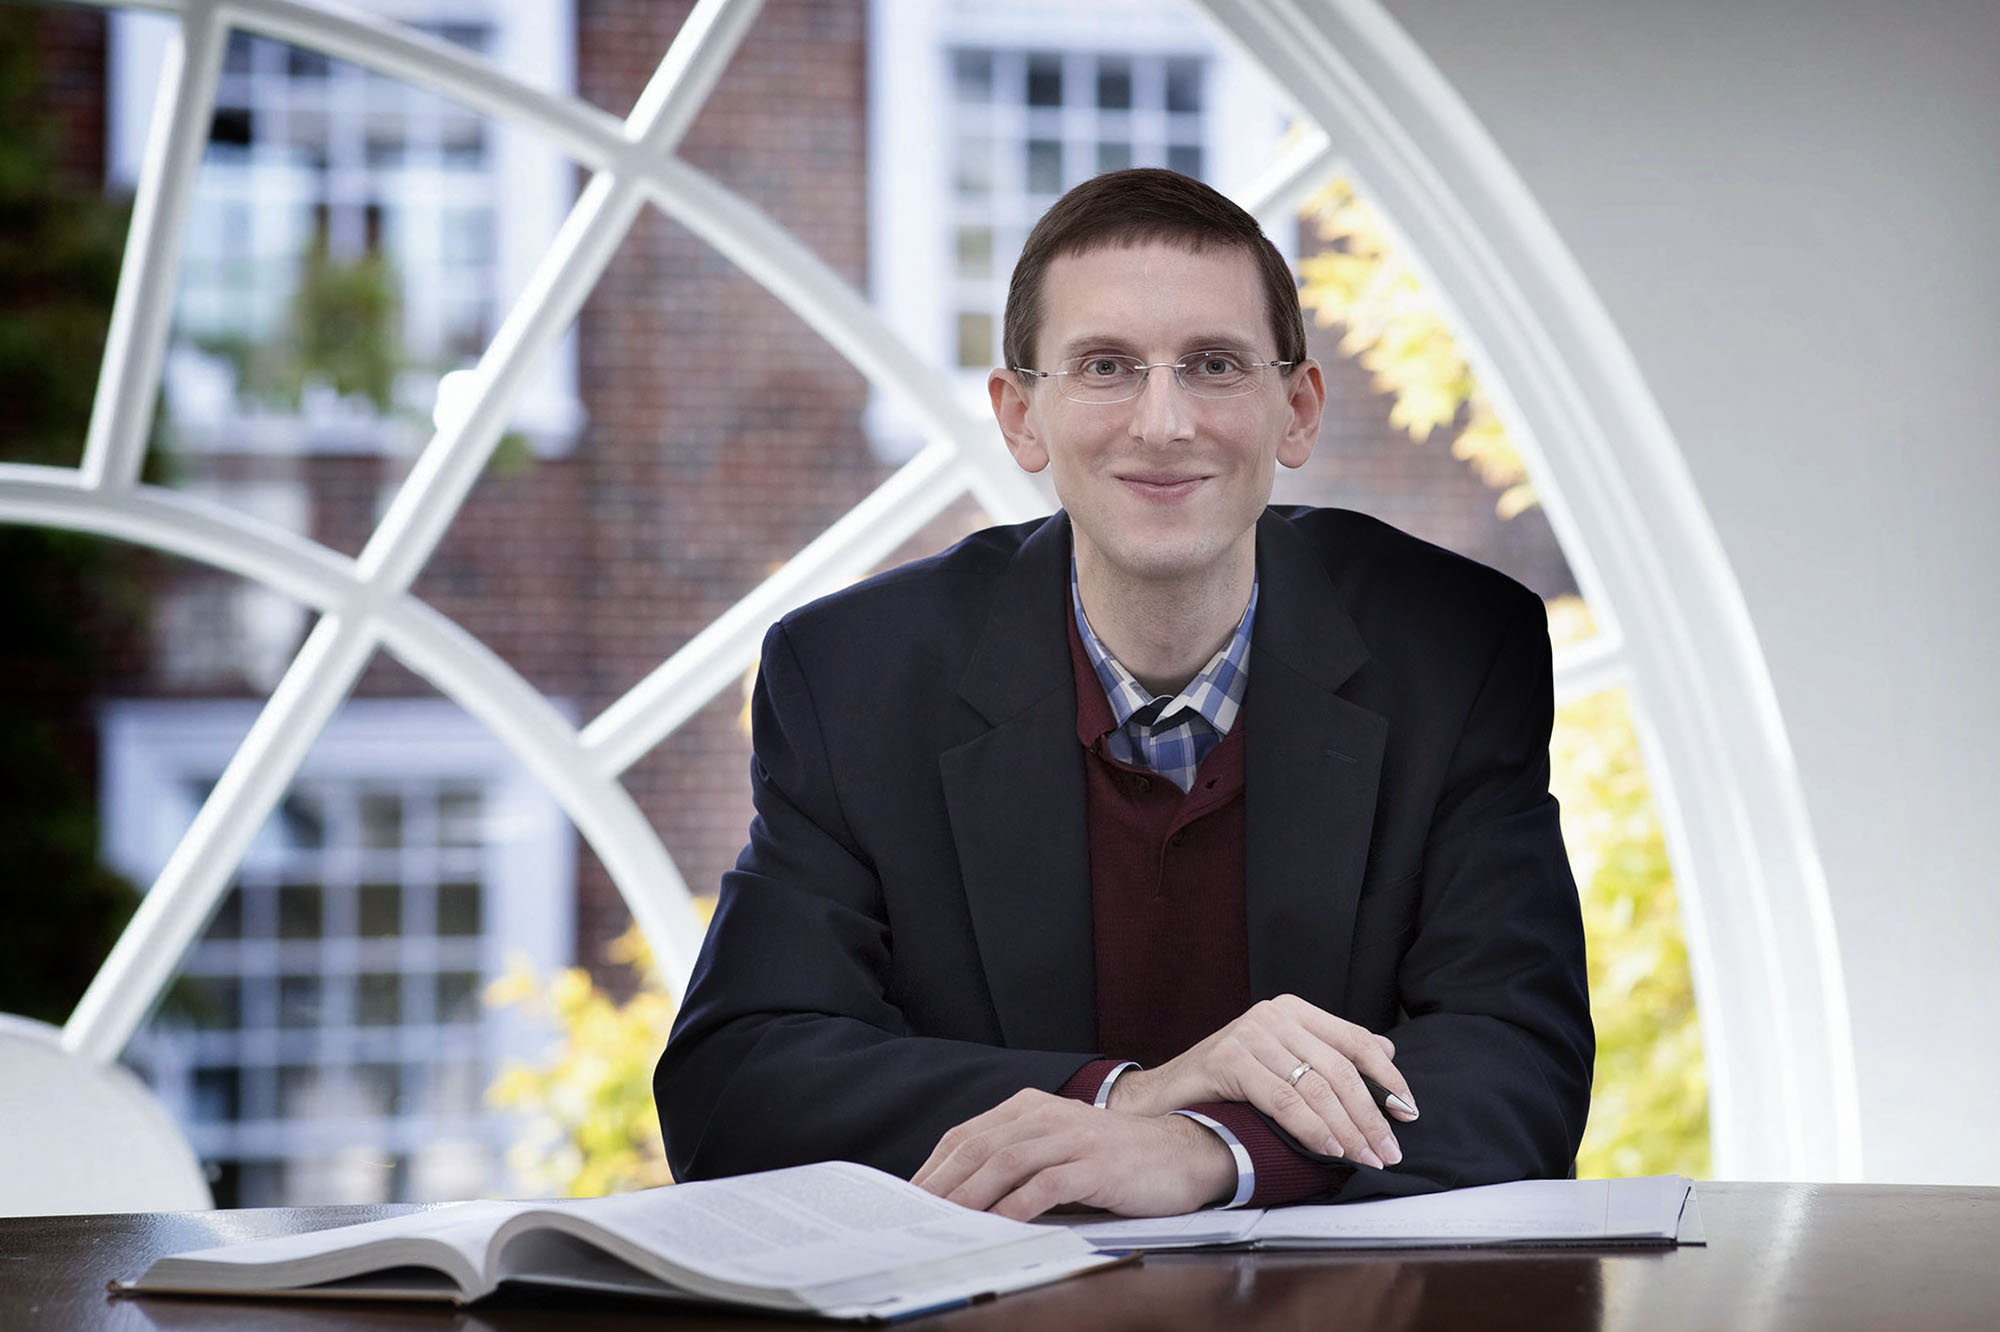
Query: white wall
point(1791, 209)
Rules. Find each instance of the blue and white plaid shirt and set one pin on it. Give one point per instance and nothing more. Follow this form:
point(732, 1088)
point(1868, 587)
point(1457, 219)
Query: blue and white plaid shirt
point(1170, 735)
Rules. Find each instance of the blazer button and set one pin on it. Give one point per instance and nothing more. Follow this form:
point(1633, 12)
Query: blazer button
point(1142, 784)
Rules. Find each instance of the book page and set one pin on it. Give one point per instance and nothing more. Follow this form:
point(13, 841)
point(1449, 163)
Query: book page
point(451, 1238)
point(794, 1228)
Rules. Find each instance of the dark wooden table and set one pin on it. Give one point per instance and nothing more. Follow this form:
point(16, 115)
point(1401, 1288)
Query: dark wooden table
point(1779, 1257)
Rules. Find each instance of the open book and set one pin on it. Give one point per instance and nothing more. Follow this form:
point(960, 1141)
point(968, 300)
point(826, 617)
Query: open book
point(1658, 1209)
point(834, 1239)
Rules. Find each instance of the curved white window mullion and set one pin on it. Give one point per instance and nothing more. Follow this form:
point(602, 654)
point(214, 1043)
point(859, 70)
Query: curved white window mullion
point(1584, 668)
point(1300, 167)
point(135, 345)
point(429, 500)
point(717, 656)
point(429, 643)
point(182, 524)
point(708, 36)
point(772, 256)
point(187, 890)
point(1761, 946)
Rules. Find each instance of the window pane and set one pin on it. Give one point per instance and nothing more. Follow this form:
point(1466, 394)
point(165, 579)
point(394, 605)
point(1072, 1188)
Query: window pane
point(975, 338)
point(301, 63)
point(972, 76)
point(1114, 84)
point(380, 910)
point(975, 252)
point(458, 816)
point(381, 820)
point(1045, 80)
point(298, 1001)
point(218, 1095)
point(302, 819)
point(299, 1092)
point(1113, 157)
point(474, 37)
point(458, 997)
point(378, 999)
point(385, 144)
point(231, 127)
point(973, 166)
point(1184, 85)
point(206, 1003)
point(236, 57)
point(378, 1089)
point(458, 909)
point(1044, 166)
point(463, 141)
point(1184, 159)
point(299, 910)
point(227, 922)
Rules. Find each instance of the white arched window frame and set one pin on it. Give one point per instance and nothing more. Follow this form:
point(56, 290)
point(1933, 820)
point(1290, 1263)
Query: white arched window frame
point(1674, 627)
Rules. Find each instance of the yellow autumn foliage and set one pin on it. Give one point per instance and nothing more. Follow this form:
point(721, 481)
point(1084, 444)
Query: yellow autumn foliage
point(590, 1124)
point(1649, 1105)
point(1397, 330)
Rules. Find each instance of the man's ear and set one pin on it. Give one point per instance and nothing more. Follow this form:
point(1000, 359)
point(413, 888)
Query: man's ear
point(1307, 400)
point(1017, 425)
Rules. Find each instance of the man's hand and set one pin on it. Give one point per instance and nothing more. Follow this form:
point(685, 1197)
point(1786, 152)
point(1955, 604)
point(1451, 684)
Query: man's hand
point(1252, 1059)
point(1035, 1151)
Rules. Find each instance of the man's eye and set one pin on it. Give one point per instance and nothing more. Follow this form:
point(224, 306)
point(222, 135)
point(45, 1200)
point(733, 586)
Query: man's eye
point(1216, 365)
point(1103, 367)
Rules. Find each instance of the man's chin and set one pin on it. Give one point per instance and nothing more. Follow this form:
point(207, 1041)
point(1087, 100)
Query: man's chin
point(1168, 561)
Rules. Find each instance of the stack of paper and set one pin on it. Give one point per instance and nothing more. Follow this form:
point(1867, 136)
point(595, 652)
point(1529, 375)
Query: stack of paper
point(1659, 1209)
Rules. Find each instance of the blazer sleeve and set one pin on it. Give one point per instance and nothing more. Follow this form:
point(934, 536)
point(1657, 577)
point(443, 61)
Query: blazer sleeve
point(789, 1046)
point(1493, 1030)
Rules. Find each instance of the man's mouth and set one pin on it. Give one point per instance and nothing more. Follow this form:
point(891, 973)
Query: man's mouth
point(1161, 485)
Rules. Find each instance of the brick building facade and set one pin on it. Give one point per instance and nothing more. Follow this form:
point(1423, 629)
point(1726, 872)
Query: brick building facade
point(721, 433)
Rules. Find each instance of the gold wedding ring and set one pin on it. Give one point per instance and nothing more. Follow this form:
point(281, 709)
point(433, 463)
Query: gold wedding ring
point(1299, 1072)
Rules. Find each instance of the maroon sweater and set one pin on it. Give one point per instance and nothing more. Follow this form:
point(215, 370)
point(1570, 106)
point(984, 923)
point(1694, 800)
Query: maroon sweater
point(1171, 941)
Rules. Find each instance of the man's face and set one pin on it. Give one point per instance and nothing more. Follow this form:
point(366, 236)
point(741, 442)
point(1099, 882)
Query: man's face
point(1166, 487)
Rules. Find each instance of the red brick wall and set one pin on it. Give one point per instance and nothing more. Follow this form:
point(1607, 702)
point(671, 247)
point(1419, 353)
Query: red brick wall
point(724, 433)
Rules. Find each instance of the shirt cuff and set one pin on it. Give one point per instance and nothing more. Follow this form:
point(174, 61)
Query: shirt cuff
point(1103, 1097)
point(1281, 1175)
point(1093, 1081)
point(1246, 1169)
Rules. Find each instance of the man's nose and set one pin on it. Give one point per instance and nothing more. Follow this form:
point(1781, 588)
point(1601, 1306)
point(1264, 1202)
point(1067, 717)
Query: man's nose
point(1164, 410)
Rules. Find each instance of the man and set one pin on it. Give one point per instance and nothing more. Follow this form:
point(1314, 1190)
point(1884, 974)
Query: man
point(1046, 902)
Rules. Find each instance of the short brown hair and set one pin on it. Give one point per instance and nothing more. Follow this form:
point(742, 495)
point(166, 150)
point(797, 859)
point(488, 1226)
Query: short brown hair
point(1122, 208)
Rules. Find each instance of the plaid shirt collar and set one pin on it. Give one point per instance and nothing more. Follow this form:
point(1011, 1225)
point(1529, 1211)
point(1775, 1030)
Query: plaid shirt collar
point(1170, 735)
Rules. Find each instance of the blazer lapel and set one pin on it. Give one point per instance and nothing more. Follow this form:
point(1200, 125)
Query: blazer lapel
point(1015, 797)
point(1313, 765)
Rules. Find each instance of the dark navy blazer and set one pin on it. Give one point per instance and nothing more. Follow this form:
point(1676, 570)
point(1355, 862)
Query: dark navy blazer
point(906, 940)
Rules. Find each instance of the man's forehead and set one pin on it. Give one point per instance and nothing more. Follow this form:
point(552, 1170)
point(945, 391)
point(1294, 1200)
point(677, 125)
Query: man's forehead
point(1113, 288)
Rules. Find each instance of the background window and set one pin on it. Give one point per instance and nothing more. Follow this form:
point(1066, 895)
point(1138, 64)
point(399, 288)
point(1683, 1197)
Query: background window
point(325, 1040)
